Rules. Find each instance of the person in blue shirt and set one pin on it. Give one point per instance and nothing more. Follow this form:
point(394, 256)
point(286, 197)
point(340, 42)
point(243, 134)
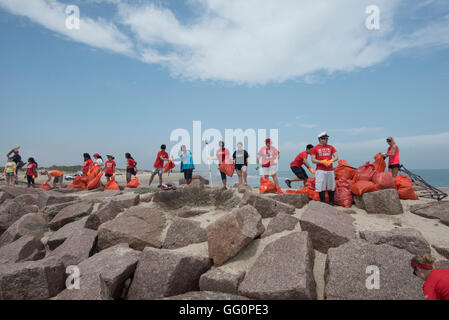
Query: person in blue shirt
point(186, 159)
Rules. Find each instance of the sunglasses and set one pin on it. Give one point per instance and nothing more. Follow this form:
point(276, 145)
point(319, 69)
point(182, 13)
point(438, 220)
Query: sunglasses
point(324, 138)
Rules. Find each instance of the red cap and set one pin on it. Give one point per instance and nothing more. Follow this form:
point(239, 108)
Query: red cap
point(96, 155)
point(268, 140)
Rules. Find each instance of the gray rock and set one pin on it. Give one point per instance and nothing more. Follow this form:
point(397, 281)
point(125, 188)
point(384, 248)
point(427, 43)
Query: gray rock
point(51, 211)
point(11, 211)
point(206, 295)
point(57, 238)
point(4, 196)
point(442, 264)
point(187, 212)
point(204, 181)
point(190, 195)
point(267, 207)
point(31, 224)
point(244, 189)
point(139, 227)
point(347, 273)
point(280, 223)
point(283, 271)
point(107, 212)
point(100, 196)
point(126, 200)
point(296, 200)
point(221, 281)
point(102, 276)
point(147, 197)
point(15, 191)
point(183, 232)
point(232, 232)
point(70, 214)
point(27, 248)
point(358, 201)
point(327, 226)
point(163, 273)
point(434, 210)
point(384, 201)
point(49, 198)
point(443, 250)
point(404, 238)
point(32, 280)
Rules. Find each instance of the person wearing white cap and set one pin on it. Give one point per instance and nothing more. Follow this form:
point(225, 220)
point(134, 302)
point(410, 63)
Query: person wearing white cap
point(324, 155)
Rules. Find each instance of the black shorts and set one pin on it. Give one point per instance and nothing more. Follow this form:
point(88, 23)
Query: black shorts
point(108, 175)
point(223, 175)
point(188, 174)
point(300, 172)
point(131, 171)
point(393, 166)
point(56, 180)
point(239, 167)
point(30, 179)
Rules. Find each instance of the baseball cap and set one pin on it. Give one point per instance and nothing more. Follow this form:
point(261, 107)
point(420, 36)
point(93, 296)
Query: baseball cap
point(268, 140)
point(96, 155)
point(323, 134)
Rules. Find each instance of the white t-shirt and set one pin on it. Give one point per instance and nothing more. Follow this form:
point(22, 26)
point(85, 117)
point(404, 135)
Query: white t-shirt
point(99, 162)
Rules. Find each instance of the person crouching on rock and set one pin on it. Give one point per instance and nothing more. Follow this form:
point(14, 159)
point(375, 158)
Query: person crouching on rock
point(436, 285)
point(324, 155)
point(298, 170)
point(57, 175)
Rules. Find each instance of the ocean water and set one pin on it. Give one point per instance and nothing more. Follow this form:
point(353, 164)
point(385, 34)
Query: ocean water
point(436, 178)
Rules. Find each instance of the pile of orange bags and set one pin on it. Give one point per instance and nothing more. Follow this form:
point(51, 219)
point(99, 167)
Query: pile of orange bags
point(267, 186)
point(78, 183)
point(404, 185)
point(366, 172)
point(344, 171)
point(94, 181)
point(134, 183)
point(112, 185)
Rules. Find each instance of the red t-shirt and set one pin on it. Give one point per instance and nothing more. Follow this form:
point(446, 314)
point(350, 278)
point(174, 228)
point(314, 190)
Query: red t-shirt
point(130, 163)
point(32, 169)
point(436, 286)
point(87, 165)
point(159, 163)
point(268, 156)
point(323, 153)
point(299, 160)
point(222, 155)
point(110, 166)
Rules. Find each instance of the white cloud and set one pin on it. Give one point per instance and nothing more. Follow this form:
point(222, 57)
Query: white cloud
point(361, 130)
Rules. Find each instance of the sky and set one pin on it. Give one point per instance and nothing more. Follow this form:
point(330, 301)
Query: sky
point(135, 71)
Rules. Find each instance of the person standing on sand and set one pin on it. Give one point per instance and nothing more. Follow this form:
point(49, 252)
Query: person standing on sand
point(31, 173)
point(10, 171)
point(17, 160)
point(159, 165)
point(298, 170)
point(131, 169)
point(270, 158)
point(223, 157)
point(109, 167)
point(88, 164)
point(394, 163)
point(187, 165)
point(57, 175)
point(436, 285)
point(241, 160)
point(98, 161)
point(324, 155)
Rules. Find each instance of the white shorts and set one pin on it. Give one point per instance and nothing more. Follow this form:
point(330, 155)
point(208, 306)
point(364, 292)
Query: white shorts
point(268, 171)
point(324, 180)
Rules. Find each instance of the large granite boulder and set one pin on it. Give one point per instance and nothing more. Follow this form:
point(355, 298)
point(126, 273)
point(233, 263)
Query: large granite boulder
point(433, 210)
point(58, 237)
point(191, 195)
point(51, 211)
point(187, 212)
point(350, 273)
point(384, 201)
point(127, 200)
point(204, 181)
point(103, 276)
point(280, 223)
point(4, 196)
point(107, 212)
point(442, 264)
point(218, 280)
point(32, 280)
point(100, 196)
point(327, 226)
point(403, 238)
point(443, 250)
point(31, 224)
point(12, 210)
point(232, 232)
point(70, 214)
point(163, 273)
point(266, 206)
point(206, 295)
point(15, 191)
point(296, 200)
point(49, 198)
point(27, 248)
point(183, 232)
point(283, 271)
point(140, 227)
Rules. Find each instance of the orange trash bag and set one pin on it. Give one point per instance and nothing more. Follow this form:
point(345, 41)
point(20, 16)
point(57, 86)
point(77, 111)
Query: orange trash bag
point(45, 186)
point(78, 183)
point(366, 172)
point(343, 193)
point(303, 190)
point(315, 196)
point(404, 185)
point(310, 184)
point(362, 186)
point(169, 165)
point(227, 168)
point(379, 163)
point(343, 170)
point(267, 186)
point(384, 180)
point(95, 183)
point(134, 183)
point(93, 173)
point(112, 185)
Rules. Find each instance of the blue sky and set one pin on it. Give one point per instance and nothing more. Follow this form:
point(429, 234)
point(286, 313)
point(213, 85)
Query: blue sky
point(135, 71)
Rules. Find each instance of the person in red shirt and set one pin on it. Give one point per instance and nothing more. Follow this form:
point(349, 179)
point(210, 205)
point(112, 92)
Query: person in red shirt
point(270, 158)
point(298, 170)
point(31, 173)
point(324, 155)
point(131, 169)
point(159, 165)
point(88, 164)
point(224, 157)
point(436, 285)
point(109, 167)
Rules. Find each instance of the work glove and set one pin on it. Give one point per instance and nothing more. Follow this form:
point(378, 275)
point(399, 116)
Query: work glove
point(311, 170)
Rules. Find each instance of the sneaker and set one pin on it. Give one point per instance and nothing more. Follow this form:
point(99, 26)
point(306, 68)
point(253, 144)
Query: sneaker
point(288, 183)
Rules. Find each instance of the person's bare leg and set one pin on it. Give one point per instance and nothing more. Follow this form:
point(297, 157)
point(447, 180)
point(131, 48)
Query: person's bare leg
point(295, 179)
point(128, 177)
point(160, 180)
point(188, 181)
point(54, 184)
point(275, 179)
point(239, 173)
point(151, 178)
point(245, 174)
point(395, 172)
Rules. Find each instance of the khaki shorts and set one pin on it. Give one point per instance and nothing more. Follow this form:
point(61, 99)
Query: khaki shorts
point(158, 171)
point(324, 180)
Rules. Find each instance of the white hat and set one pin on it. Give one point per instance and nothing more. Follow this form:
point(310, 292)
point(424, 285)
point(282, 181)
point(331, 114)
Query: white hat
point(323, 134)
